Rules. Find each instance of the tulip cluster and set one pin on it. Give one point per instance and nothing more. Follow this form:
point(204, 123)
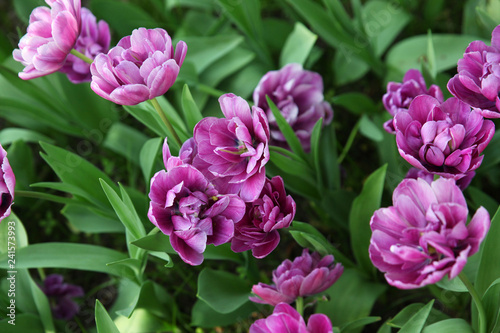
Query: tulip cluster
point(61, 296)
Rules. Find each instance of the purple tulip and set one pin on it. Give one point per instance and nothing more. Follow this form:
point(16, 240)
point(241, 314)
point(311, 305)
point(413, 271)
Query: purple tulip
point(462, 183)
point(478, 80)
point(286, 319)
point(61, 296)
point(141, 67)
point(307, 275)
point(94, 39)
point(298, 94)
point(7, 185)
point(424, 235)
point(258, 230)
point(233, 151)
point(186, 206)
point(446, 139)
point(50, 37)
point(400, 95)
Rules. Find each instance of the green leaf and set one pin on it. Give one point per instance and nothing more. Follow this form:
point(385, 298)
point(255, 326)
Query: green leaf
point(361, 322)
point(347, 68)
point(489, 265)
point(89, 220)
point(43, 307)
point(192, 113)
point(315, 151)
point(24, 8)
point(103, 321)
point(293, 167)
point(287, 131)
point(491, 304)
point(143, 321)
point(147, 157)
point(370, 130)
point(9, 135)
point(124, 210)
point(479, 198)
point(409, 52)
point(25, 322)
point(122, 17)
point(298, 45)
point(21, 161)
point(157, 243)
point(350, 298)
point(202, 315)
point(416, 323)
point(151, 297)
point(453, 325)
point(362, 210)
point(455, 284)
point(16, 228)
point(357, 103)
point(409, 311)
point(77, 172)
point(222, 291)
point(126, 141)
point(67, 255)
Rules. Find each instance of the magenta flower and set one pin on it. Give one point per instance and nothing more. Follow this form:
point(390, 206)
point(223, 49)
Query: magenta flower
point(478, 80)
point(462, 183)
point(286, 319)
point(307, 275)
point(233, 151)
point(7, 185)
point(50, 37)
point(400, 95)
point(141, 67)
point(186, 206)
point(61, 296)
point(94, 39)
point(446, 139)
point(258, 229)
point(424, 235)
point(298, 94)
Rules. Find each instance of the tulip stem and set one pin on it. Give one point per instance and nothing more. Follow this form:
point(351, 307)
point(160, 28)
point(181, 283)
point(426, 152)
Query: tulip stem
point(209, 90)
point(165, 120)
point(299, 305)
point(349, 142)
point(81, 56)
point(477, 301)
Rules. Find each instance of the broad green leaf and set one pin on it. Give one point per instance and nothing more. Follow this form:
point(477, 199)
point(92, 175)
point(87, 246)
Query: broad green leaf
point(301, 186)
point(489, 265)
point(67, 255)
point(297, 46)
point(350, 298)
point(147, 157)
point(416, 323)
point(346, 67)
point(203, 51)
point(122, 17)
point(286, 130)
point(192, 113)
point(315, 151)
point(151, 297)
point(370, 130)
point(157, 242)
point(222, 291)
point(11, 226)
point(362, 210)
point(245, 14)
point(453, 285)
point(409, 311)
point(485, 18)
point(77, 172)
point(409, 52)
point(11, 134)
point(142, 321)
point(202, 315)
point(103, 321)
point(125, 141)
point(124, 210)
point(293, 167)
point(431, 57)
point(24, 8)
point(24, 322)
point(359, 323)
point(355, 102)
point(491, 304)
point(337, 9)
point(453, 325)
point(479, 198)
point(22, 163)
point(89, 220)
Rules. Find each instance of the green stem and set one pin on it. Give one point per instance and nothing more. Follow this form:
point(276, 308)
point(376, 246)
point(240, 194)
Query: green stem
point(81, 56)
point(299, 305)
point(477, 301)
point(165, 120)
point(349, 142)
point(43, 196)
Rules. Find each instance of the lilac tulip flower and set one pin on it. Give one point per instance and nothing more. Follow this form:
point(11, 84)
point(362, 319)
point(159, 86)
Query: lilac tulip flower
point(307, 275)
point(424, 235)
point(186, 206)
point(94, 39)
point(258, 230)
point(50, 37)
point(478, 80)
point(462, 183)
point(400, 95)
point(298, 94)
point(446, 139)
point(233, 151)
point(286, 319)
point(141, 67)
point(61, 296)
point(7, 185)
